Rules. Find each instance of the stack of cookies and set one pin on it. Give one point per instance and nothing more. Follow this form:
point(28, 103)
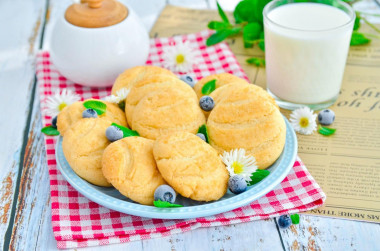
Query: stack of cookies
point(166, 112)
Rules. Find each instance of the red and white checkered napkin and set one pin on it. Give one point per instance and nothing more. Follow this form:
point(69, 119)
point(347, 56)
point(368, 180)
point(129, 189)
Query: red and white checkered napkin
point(79, 222)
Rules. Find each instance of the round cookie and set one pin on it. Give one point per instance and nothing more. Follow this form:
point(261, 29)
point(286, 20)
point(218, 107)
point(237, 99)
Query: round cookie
point(167, 111)
point(191, 166)
point(83, 147)
point(221, 80)
point(149, 85)
point(73, 113)
point(247, 118)
point(136, 74)
point(128, 164)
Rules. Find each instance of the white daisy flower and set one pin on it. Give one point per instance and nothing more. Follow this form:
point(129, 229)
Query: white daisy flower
point(238, 163)
point(56, 103)
point(121, 95)
point(112, 99)
point(303, 120)
point(179, 57)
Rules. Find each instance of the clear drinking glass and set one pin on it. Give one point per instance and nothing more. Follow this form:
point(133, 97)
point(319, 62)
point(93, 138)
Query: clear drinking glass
point(306, 47)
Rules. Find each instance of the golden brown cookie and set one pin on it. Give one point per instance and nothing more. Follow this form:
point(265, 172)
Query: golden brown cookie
point(221, 80)
point(72, 113)
point(191, 166)
point(151, 84)
point(136, 74)
point(83, 147)
point(128, 164)
point(167, 111)
point(248, 118)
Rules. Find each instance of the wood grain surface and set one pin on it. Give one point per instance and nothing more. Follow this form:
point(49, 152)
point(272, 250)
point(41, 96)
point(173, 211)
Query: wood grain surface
point(25, 212)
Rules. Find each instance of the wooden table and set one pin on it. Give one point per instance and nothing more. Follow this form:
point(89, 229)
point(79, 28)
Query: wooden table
point(25, 214)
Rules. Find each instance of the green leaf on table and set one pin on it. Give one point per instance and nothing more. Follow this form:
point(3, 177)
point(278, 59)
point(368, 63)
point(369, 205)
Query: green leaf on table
point(250, 11)
point(256, 61)
point(220, 35)
point(251, 33)
point(203, 129)
point(126, 131)
point(50, 130)
point(326, 131)
point(164, 204)
point(209, 87)
point(262, 44)
point(222, 15)
point(357, 22)
point(216, 25)
point(98, 106)
point(359, 39)
point(295, 219)
point(258, 176)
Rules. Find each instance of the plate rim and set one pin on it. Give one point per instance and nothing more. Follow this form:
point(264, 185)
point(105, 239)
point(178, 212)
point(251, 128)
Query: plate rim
point(203, 210)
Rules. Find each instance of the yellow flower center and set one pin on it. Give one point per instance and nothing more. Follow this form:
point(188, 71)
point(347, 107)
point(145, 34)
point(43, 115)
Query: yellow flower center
point(238, 167)
point(180, 59)
point(304, 122)
point(61, 106)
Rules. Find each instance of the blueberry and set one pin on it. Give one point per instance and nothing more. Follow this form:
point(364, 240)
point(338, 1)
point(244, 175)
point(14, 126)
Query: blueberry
point(165, 193)
point(326, 117)
point(284, 221)
point(54, 122)
point(206, 103)
point(114, 133)
point(188, 80)
point(237, 184)
point(89, 113)
point(202, 136)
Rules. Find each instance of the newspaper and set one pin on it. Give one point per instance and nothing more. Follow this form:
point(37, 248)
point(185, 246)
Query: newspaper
point(346, 164)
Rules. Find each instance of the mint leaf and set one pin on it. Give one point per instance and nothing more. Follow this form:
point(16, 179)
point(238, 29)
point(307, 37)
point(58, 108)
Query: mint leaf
point(164, 204)
point(359, 39)
point(262, 45)
point(258, 176)
point(256, 61)
point(220, 35)
point(209, 87)
point(50, 130)
point(326, 131)
point(122, 105)
point(216, 25)
point(251, 33)
point(96, 105)
point(295, 218)
point(203, 129)
point(222, 15)
point(357, 22)
point(126, 131)
point(250, 11)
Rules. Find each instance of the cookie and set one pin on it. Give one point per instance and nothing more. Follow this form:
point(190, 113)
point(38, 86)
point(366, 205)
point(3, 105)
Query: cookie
point(149, 85)
point(191, 166)
point(83, 147)
point(221, 80)
point(167, 111)
point(128, 164)
point(130, 77)
point(72, 113)
point(248, 118)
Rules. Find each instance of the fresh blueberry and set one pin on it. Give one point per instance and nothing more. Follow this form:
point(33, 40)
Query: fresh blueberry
point(284, 221)
point(188, 80)
point(54, 122)
point(165, 193)
point(206, 103)
point(114, 133)
point(326, 117)
point(89, 113)
point(237, 184)
point(202, 136)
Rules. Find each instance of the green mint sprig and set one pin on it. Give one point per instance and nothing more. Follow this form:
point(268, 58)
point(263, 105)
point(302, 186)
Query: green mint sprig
point(295, 219)
point(126, 131)
point(98, 106)
point(258, 176)
point(203, 129)
point(256, 61)
point(50, 130)
point(326, 131)
point(164, 204)
point(209, 87)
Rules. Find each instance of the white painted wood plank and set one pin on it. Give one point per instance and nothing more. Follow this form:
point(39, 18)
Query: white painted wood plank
point(227, 5)
point(194, 4)
point(20, 24)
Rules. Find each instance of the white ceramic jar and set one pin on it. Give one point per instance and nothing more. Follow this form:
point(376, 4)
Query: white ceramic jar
point(96, 56)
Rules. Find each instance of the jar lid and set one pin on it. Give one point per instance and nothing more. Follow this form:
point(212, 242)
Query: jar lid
point(96, 13)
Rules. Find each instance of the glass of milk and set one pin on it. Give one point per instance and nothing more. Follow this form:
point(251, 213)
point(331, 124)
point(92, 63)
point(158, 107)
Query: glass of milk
point(306, 47)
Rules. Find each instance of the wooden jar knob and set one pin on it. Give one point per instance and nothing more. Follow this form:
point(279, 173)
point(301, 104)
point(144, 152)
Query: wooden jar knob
point(94, 4)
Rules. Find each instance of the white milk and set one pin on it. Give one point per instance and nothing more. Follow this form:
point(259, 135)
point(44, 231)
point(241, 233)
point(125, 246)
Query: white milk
point(306, 51)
